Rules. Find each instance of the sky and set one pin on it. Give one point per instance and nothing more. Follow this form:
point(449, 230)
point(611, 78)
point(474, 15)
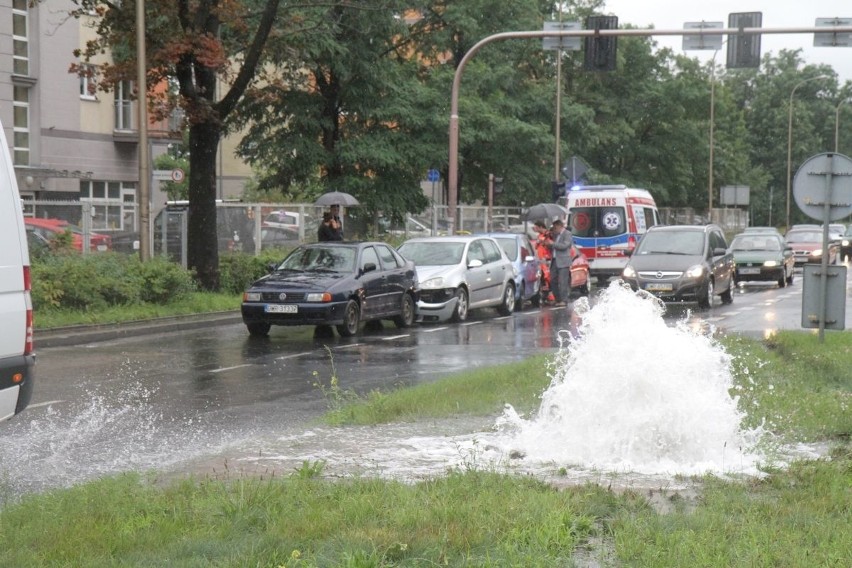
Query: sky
point(672, 14)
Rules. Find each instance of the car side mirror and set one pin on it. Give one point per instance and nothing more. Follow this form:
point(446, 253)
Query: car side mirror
point(475, 263)
point(368, 267)
point(719, 251)
point(271, 267)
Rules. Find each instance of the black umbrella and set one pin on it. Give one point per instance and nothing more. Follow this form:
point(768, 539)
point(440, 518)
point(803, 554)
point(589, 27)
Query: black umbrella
point(549, 211)
point(337, 198)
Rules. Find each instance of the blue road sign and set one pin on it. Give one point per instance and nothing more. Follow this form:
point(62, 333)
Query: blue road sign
point(433, 175)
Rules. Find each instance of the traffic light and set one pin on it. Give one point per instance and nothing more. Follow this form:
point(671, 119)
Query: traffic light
point(600, 51)
point(557, 189)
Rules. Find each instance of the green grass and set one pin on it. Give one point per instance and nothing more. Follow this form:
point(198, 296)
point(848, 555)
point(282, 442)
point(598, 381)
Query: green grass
point(794, 517)
point(195, 303)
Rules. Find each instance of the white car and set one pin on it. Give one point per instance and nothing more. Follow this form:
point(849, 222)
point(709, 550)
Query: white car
point(458, 274)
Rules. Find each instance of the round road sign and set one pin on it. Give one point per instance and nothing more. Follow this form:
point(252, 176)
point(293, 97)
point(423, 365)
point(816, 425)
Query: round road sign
point(811, 189)
point(177, 175)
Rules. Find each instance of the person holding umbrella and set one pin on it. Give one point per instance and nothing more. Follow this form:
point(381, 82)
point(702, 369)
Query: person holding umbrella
point(330, 228)
point(560, 267)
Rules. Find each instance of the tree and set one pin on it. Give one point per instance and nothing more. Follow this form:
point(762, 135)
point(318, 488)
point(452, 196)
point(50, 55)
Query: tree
point(197, 45)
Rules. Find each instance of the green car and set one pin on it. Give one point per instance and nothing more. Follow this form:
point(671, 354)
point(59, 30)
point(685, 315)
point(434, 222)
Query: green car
point(762, 257)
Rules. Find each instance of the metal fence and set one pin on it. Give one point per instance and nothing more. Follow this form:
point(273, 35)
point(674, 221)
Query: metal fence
point(99, 225)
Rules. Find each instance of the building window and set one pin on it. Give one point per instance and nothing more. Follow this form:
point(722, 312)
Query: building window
point(124, 106)
point(88, 82)
point(20, 38)
point(21, 124)
point(113, 204)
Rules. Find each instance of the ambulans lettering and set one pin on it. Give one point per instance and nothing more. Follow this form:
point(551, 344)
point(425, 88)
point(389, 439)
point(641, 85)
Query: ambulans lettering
point(594, 202)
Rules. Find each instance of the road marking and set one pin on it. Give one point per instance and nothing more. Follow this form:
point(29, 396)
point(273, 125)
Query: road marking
point(48, 403)
point(502, 318)
point(434, 329)
point(349, 346)
point(230, 368)
point(467, 323)
point(293, 356)
point(392, 337)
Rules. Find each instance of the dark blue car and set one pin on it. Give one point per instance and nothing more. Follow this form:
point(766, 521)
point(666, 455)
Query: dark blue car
point(333, 283)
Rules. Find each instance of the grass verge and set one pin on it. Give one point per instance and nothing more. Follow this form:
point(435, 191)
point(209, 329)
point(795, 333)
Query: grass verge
point(797, 517)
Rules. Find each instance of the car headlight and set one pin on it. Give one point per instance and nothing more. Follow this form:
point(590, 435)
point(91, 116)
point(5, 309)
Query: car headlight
point(251, 297)
point(318, 297)
point(845, 242)
point(433, 283)
point(696, 271)
point(770, 263)
point(817, 252)
point(628, 272)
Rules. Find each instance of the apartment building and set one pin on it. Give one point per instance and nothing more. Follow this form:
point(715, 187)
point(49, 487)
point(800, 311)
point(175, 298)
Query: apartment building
point(69, 140)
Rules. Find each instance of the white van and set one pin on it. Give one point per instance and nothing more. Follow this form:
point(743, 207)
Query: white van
point(17, 357)
point(607, 221)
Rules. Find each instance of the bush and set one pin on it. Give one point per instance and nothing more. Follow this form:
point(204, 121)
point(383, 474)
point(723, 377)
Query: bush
point(97, 281)
point(238, 270)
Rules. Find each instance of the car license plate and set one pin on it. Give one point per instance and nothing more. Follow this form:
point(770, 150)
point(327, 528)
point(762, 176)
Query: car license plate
point(659, 286)
point(282, 309)
point(749, 271)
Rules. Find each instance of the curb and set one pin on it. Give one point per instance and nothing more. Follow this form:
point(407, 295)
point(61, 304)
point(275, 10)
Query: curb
point(80, 334)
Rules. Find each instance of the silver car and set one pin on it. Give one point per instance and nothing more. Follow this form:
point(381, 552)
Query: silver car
point(458, 274)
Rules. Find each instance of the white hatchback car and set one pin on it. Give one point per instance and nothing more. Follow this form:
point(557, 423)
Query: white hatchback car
point(458, 274)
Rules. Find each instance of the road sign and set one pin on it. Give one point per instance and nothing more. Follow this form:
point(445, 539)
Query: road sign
point(177, 175)
point(565, 43)
point(433, 175)
point(744, 49)
point(822, 187)
point(703, 41)
point(833, 39)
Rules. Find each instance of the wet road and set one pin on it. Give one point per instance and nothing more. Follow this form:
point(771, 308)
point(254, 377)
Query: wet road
point(159, 401)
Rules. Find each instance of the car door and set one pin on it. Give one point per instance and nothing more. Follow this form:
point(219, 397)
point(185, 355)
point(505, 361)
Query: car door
point(373, 283)
point(395, 278)
point(722, 265)
point(499, 269)
point(478, 274)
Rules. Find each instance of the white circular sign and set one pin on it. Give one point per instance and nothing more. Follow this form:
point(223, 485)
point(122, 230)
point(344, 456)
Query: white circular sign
point(810, 189)
point(611, 221)
point(177, 175)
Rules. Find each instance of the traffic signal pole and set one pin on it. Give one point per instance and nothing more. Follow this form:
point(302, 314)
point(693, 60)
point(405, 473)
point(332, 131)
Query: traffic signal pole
point(453, 169)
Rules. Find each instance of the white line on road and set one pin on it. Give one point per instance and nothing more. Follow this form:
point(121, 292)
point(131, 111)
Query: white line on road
point(293, 356)
point(349, 346)
point(434, 329)
point(48, 403)
point(229, 368)
point(471, 323)
point(392, 337)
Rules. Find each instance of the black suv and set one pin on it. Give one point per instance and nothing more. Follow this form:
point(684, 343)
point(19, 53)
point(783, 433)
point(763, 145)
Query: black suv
point(683, 263)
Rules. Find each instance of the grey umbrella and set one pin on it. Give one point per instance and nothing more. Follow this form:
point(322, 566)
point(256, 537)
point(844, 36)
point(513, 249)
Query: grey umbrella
point(549, 211)
point(337, 198)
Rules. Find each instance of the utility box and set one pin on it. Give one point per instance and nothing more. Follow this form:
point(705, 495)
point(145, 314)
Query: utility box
point(835, 297)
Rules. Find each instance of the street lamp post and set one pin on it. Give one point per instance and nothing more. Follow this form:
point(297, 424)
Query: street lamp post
point(837, 125)
point(790, 138)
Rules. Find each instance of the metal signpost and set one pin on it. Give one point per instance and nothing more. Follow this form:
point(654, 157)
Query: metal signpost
point(823, 191)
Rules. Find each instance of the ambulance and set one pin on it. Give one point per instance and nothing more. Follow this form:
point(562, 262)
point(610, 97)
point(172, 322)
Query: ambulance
point(607, 221)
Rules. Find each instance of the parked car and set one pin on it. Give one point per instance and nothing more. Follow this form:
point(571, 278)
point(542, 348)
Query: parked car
point(759, 229)
point(807, 246)
point(290, 220)
point(460, 273)
point(51, 228)
point(333, 284)
point(683, 263)
point(526, 268)
point(280, 237)
point(762, 257)
point(846, 243)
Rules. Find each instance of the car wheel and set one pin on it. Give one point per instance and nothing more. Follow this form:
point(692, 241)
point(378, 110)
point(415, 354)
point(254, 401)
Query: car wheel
point(728, 295)
point(351, 319)
point(782, 280)
point(519, 303)
point(406, 312)
point(460, 313)
point(258, 329)
point(705, 300)
point(507, 307)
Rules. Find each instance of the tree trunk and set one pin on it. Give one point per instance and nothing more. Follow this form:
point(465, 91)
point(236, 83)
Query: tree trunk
point(203, 246)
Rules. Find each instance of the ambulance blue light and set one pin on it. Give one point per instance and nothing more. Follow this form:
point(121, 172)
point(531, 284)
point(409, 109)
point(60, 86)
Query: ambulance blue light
point(575, 188)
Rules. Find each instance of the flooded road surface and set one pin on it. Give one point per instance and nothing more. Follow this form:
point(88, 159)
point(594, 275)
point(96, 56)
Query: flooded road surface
point(193, 400)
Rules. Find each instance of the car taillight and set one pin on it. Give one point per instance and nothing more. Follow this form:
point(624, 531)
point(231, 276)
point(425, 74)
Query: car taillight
point(631, 243)
point(28, 340)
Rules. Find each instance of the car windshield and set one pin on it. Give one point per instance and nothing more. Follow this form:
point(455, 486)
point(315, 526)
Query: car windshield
point(755, 243)
point(433, 253)
point(510, 246)
point(325, 259)
point(804, 237)
point(670, 242)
